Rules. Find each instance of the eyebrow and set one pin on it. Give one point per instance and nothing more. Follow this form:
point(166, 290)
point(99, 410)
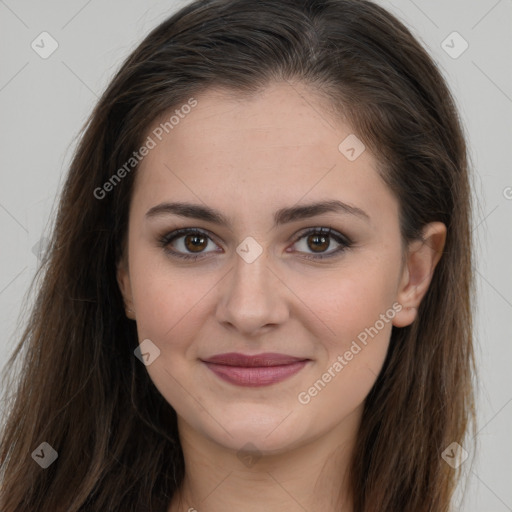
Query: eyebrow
point(282, 216)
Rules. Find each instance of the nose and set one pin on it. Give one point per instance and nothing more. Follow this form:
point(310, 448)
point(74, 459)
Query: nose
point(252, 298)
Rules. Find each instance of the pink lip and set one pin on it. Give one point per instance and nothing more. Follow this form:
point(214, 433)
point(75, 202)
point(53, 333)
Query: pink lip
point(257, 370)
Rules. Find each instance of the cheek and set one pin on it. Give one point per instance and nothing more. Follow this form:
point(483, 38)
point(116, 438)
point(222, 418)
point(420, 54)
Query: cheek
point(168, 301)
point(355, 304)
point(353, 298)
point(358, 310)
point(170, 307)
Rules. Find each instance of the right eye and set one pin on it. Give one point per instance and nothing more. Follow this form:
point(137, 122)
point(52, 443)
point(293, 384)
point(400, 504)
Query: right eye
point(187, 243)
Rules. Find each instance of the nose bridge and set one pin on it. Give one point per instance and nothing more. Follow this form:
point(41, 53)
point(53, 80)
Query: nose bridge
point(252, 298)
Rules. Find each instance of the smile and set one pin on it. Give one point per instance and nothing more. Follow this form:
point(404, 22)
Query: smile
point(254, 371)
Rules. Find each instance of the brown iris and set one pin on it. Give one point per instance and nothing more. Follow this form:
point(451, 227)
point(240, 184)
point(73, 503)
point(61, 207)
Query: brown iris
point(320, 242)
point(195, 243)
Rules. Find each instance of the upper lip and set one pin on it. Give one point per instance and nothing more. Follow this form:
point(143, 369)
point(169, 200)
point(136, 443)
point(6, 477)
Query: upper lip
point(258, 360)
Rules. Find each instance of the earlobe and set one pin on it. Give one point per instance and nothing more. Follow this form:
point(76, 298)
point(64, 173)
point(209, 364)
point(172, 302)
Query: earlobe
point(422, 257)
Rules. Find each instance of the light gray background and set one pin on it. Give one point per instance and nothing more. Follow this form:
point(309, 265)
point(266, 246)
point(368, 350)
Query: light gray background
point(44, 103)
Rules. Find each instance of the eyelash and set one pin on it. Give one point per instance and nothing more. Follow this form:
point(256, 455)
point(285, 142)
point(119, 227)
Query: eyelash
point(345, 242)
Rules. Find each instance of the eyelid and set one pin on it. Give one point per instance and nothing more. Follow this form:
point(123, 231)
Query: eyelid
point(344, 242)
point(169, 237)
point(324, 230)
point(177, 233)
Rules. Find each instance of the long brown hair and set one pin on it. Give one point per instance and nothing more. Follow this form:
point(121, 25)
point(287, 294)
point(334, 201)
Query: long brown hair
point(81, 389)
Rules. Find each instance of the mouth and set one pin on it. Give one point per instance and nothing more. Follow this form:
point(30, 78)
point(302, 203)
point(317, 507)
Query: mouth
point(254, 371)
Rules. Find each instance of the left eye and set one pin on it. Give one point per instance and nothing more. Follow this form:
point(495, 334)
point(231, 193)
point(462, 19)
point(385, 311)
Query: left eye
point(318, 240)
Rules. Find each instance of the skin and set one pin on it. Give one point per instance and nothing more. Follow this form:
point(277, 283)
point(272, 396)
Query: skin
point(248, 158)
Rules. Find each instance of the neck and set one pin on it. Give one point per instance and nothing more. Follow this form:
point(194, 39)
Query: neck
point(312, 476)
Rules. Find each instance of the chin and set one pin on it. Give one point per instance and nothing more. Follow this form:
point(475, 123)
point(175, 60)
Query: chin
point(266, 433)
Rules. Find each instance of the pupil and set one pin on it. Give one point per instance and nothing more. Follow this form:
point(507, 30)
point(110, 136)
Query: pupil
point(195, 243)
point(318, 239)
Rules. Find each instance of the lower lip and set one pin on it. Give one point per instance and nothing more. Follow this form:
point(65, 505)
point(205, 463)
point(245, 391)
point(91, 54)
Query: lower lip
point(257, 376)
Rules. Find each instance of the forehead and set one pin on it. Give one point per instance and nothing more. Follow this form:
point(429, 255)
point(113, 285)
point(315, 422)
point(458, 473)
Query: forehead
point(278, 145)
point(289, 116)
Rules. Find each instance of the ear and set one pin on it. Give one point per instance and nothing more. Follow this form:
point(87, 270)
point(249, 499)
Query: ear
point(422, 257)
point(123, 280)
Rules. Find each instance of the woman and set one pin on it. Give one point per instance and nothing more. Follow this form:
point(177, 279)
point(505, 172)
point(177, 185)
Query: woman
point(258, 291)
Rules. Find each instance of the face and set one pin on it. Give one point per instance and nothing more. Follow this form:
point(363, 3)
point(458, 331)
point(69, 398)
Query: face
point(254, 271)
